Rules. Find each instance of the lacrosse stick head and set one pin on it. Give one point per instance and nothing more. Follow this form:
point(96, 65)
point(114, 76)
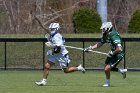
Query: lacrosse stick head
point(53, 27)
point(47, 36)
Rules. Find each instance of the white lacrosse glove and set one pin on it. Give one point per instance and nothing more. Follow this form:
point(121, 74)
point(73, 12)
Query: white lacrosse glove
point(49, 53)
point(88, 49)
point(110, 54)
point(49, 44)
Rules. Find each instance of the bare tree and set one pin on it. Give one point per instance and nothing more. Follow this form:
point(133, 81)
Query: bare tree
point(120, 12)
point(21, 14)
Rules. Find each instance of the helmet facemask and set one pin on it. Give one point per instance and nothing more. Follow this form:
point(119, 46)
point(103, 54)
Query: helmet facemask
point(52, 30)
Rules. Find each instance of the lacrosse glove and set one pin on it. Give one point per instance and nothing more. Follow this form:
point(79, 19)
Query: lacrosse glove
point(49, 44)
point(88, 49)
point(49, 53)
point(110, 54)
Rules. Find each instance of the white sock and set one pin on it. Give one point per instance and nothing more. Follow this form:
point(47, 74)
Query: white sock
point(79, 67)
point(122, 70)
point(119, 70)
point(108, 81)
point(44, 79)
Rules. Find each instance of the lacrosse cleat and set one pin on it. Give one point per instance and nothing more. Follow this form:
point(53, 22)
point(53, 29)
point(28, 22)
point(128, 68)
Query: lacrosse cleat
point(123, 72)
point(81, 68)
point(107, 83)
point(41, 83)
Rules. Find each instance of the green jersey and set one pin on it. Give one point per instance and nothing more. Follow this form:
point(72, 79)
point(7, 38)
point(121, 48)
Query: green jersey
point(113, 38)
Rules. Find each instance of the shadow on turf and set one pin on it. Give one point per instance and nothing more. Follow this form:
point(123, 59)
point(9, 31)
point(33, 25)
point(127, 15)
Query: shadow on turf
point(76, 85)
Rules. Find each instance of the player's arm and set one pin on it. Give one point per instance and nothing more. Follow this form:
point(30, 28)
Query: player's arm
point(118, 49)
point(117, 42)
point(56, 47)
point(97, 45)
point(57, 42)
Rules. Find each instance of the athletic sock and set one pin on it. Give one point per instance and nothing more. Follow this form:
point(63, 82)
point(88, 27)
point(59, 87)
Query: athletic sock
point(44, 79)
point(108, 81)
point(122, 70)
point(79, 67)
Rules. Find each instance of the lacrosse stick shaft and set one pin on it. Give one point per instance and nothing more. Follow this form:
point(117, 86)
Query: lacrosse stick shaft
point(74, 47)
point(40, 23)
point(42, 26)
point(89, 50)
point(98, 52)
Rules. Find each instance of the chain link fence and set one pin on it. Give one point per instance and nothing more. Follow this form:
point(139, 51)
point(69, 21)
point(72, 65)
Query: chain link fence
point(30, 54)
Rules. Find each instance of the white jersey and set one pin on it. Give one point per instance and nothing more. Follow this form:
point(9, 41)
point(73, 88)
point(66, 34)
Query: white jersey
point(58, 40)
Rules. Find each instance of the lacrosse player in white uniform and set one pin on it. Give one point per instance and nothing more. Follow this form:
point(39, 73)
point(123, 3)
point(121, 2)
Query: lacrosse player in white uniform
point(58, 54)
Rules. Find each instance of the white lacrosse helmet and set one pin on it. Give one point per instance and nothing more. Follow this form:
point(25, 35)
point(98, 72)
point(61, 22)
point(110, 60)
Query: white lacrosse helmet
point(54, 26)
point(106, 26)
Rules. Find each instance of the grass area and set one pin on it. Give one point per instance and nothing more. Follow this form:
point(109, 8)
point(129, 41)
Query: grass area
point(58, 82)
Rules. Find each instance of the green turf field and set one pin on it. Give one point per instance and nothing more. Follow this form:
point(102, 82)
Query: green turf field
point(91, 82)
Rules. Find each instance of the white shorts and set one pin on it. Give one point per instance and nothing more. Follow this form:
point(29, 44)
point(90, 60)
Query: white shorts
point(63, 60)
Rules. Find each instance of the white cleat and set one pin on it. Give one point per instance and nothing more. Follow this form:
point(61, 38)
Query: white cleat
point(81, 68)
point(41, 83)
point(123, 72)
point(106, 85)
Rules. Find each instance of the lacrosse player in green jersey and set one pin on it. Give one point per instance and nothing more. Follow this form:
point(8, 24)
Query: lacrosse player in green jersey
point(112, 37)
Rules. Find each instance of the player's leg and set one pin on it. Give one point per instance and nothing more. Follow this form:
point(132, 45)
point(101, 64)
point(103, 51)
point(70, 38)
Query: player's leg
point(107, 69)
point(48, 65)
point(64, 63)
point(70, 69)
point(45, 74)
point(73, 69)
point(47, 68)
point(114, 62)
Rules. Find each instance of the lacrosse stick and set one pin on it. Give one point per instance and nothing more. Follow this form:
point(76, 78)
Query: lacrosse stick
point(40, 23)
point(89, 50)
point(74, 47)
point(42, 26)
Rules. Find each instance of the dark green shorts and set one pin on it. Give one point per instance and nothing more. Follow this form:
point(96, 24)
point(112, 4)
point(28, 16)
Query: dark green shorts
point(114, 60)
